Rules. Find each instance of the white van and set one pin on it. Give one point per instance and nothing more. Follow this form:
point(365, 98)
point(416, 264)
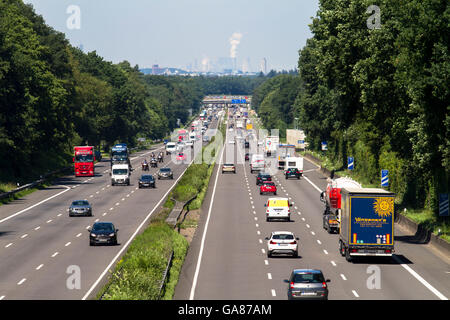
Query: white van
point(278, 208)
point(257, 163)
point(171, 147)
point(120, 174)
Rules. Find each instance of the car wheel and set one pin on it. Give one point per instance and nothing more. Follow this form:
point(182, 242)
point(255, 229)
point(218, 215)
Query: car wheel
point(275, 193)
point(298, 178)
point(288, 219)
point(295, 254)
point(267, 219)
point(91, 243)
point(269, 254)
point(260, 192)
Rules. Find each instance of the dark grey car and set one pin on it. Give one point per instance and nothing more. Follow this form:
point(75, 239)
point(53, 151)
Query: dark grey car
point(80, 208)
point(307, 284)
point(165, 173)
point(103, 233)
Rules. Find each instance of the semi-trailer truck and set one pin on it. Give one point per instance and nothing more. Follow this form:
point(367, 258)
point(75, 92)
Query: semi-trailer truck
point(366, 223)
point(84, 161)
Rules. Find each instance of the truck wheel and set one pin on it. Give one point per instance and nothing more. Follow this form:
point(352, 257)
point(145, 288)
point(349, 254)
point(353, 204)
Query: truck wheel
point(328, 229)
point(341, 248)
point(347, 255)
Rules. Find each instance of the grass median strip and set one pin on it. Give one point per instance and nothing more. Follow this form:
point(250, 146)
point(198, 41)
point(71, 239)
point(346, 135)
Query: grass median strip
point(138, 275)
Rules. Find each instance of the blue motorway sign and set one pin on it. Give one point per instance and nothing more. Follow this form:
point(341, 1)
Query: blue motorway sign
point(350, 163)
point(443, 205)
point(384, 178)
point(324, 145)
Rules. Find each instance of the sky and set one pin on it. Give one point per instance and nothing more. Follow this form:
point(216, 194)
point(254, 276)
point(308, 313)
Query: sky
point(176, 33)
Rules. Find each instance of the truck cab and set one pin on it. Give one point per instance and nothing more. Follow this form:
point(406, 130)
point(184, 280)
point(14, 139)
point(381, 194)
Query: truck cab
point(120, 174)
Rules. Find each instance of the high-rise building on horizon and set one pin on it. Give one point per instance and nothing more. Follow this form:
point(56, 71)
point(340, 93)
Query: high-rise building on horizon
point(263, 66)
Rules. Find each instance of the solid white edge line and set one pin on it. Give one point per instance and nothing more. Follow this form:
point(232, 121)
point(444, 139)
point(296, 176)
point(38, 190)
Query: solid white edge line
point(202, 245)
point(35, 205)
point(421, 280)
point(131, 238)
point(316, 187)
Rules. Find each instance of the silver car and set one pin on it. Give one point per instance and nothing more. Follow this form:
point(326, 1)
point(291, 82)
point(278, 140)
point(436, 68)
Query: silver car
point(307, 284)
point(80, 208)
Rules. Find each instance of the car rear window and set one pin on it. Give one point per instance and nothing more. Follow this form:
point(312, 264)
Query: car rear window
point(80, 203)
point(270, 184)
point(308, 278)
point(283, 237)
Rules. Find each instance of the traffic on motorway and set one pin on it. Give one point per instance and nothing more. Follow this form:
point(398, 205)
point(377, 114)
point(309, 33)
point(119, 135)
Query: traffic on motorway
point(286, 202)
point(358, 222)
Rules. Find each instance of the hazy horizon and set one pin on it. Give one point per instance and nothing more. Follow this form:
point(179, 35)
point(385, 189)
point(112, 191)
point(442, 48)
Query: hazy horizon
point(177, 33)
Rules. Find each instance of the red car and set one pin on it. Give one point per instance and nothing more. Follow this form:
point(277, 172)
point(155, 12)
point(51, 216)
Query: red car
point(268, 187)
point(181, 156)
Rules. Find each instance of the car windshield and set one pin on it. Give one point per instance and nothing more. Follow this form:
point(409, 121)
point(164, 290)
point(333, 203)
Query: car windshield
point(308, 278)
point(147, 177)
point(164, 170)
point(103, 227)
point(283, 237)
point(120, 171)
point(80, 203)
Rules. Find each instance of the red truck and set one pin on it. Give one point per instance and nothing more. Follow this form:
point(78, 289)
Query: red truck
point(332, 199)
point(84, 161)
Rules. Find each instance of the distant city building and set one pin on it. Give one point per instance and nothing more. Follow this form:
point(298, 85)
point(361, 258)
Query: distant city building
point(263, 66)
point(156, 69)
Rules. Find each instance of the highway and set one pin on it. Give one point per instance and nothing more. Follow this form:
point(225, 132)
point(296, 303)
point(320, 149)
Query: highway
point(227, 258)
point(41, 246)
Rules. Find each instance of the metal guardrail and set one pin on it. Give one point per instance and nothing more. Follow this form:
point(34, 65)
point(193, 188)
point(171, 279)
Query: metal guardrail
point(33, 184)
point(165, 276)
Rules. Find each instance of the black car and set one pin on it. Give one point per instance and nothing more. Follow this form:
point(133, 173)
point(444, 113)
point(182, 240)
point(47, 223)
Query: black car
point(80, 208)
point(262, 177)
point(246, 144)
point(103, 233)
point(165, 173)
point(330, 223)
point(147, 181)
point(292, 173)
point(247, 156)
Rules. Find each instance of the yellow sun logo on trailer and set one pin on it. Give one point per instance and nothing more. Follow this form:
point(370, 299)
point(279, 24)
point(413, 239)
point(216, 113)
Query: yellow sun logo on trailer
point(384, 207)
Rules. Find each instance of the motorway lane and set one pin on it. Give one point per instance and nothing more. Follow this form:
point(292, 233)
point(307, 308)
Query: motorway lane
point(221, 275)
point(31, 270)
point(228, 269)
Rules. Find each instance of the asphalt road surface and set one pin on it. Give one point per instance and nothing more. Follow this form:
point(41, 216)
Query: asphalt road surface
point(42, 248)
point(227, 258)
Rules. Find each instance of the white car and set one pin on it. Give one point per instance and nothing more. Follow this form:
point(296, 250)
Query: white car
point(171, 147)
point(231, 141)
point(282, 242)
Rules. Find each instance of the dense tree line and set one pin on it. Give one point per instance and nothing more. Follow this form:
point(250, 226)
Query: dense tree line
point(53, 96)
point(378, 94)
